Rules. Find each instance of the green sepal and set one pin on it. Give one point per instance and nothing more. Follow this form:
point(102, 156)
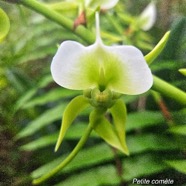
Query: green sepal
point(151, 56)
point(105, 130)
point(4, 25)
point(183, 71)
point(119, 113)
point(71, 112)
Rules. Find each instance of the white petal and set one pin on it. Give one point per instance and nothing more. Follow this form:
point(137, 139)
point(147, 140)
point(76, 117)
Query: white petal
point(71, 67)
point(74, 66)
point(108, 4)
point(103, 4)
point(148, 16)
point(128, 73)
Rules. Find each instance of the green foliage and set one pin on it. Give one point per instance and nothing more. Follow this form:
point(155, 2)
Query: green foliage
point(31, 106)
point(180, 129)
point(4, 25)
point(179, 165)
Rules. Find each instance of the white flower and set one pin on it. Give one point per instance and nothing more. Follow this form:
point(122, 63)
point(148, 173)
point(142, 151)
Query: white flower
point(121, 69)
point(148, 17)
point(103, 4)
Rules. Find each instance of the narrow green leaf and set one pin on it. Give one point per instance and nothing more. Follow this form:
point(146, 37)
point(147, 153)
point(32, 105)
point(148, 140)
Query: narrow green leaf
point(106, 131)
point(183, 71)
point(143, 119)
point(151, 142)
point(27, 96)
point(45, 119)
point(119, 114)
point(181, 129)
point(78, 104)
point(103, 175)
point(40, 143)
point(145, 164)
point(50, 96)
point(179, 165)
point(4, 25)
point(151, 56)
point(86, 157)
point(144, 45)
point(165, 65)
point(142, 165)
point(174, 44)
point(134, 167)
point(137, 143)
point(75, 132)
point(30, 93)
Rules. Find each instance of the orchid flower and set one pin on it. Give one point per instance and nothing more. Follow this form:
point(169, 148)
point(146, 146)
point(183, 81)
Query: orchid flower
point(103, 72)
point(148, 17)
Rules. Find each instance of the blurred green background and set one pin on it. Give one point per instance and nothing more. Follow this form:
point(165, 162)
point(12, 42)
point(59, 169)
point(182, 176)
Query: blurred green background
point(31, 104)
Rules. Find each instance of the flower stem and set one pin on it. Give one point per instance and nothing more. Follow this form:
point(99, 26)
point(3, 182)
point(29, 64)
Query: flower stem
point(169, 90)
point(163, 107)
point(69, 158)
point(54, 16)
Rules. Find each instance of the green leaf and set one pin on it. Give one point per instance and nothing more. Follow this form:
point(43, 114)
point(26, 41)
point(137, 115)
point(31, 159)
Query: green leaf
point(164, 65)
point(151, 56)
point(53, 95)
point(40, 143)
point(30, 93)
point(75, 132)
point(138, 166)
point(150, 142)
point(72, 110)
point(142, 165)
point(106, 131)
point(104, 175)
point(4, 25)
point(85, 158)
point(143, 119)
point(145, 164)
point(43, 120)
point(137, 143)
point(119, 114)
point(181, 129)
point(183, 71)
point(179, 165)
point(27, 96)
point(173, 46)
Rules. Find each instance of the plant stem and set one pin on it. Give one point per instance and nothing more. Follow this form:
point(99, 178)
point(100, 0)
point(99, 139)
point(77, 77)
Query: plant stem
point(163, 107)
point(169, 90)
point(45, 10)
point(69, 158)
point(118, 164)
